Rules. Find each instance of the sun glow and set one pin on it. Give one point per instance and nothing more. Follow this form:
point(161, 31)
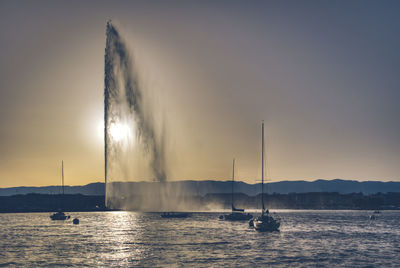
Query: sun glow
point(119, 131)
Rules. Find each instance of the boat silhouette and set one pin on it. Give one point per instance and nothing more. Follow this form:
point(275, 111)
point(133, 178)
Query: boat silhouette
point(237, 214)
point(174, 214)
point(265, 222)
point(60, 216)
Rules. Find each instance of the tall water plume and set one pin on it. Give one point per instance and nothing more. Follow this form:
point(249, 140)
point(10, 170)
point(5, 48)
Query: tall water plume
point(125, 111)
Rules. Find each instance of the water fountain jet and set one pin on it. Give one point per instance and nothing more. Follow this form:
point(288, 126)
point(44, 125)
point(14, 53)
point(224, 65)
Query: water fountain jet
point(124, 102)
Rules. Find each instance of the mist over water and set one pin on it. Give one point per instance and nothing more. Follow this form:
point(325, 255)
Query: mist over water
point(128, 121)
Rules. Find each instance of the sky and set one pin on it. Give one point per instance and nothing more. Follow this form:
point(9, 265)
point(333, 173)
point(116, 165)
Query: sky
point(323, 75)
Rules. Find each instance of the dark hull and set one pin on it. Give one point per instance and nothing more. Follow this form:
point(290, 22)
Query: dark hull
point(59, 217)
point(266, 224)
point(238, 217)
point(174, 215)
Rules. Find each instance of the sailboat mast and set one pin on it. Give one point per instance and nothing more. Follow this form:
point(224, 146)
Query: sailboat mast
point(62, 174)
point(262, 167)
point(105, 154)
point(233, 181)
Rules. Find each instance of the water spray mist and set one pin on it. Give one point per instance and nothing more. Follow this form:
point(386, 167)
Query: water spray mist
point(122, 89)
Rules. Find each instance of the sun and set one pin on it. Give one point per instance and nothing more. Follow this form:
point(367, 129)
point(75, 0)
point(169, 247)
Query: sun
point(119, 131)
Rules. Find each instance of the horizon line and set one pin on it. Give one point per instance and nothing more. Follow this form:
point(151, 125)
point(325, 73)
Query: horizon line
point(192, 180)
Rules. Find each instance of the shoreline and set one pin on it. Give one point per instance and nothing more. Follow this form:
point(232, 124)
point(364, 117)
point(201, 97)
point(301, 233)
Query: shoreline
point(210, 202)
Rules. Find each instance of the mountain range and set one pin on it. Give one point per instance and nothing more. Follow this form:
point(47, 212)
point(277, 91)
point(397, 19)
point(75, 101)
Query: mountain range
point(189, 187)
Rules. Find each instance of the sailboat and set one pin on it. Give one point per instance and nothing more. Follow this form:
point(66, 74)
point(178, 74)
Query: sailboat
point(265, 222)
point(60, 216)
point(237, 213)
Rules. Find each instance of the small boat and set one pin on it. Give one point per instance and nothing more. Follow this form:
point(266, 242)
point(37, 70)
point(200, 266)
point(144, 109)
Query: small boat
point(60, 216)
point(237, 214)
point(265, 222)
point(174, 215)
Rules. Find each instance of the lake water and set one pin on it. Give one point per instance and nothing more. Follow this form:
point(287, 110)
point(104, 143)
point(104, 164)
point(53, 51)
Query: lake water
point(104, 239)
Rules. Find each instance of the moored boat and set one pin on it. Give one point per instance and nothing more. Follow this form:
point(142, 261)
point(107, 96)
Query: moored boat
point(265, 222)
point(174, 214)
point(60, 216)
point(237, 214)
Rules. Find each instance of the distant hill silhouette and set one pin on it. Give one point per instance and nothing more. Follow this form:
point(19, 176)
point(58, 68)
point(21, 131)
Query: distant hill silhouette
point(89, 189)
point(189, 187)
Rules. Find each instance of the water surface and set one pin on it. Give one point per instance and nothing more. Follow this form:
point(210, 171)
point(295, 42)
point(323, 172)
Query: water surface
point(103, 239)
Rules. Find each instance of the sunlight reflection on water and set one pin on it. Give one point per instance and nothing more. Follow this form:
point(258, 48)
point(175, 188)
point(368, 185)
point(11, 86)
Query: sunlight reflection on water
point(307, 238)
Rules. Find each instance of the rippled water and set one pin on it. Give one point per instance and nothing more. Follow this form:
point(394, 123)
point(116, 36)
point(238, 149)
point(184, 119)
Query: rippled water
point(307, 238)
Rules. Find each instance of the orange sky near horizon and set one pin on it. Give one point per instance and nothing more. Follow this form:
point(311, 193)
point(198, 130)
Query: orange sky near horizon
point(328, 91)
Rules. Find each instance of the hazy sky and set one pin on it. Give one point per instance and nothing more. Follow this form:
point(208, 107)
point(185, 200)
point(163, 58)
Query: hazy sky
point(324, 75)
